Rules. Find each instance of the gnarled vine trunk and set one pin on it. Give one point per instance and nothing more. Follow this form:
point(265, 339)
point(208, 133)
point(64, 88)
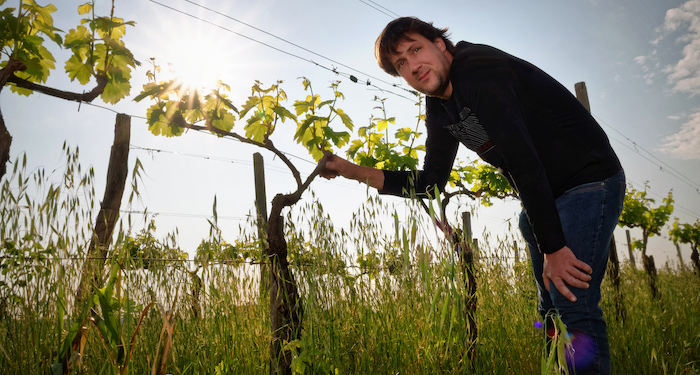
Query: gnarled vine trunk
point(5, 138)
point(7, 74)
point(649, 267)
point(286, 311)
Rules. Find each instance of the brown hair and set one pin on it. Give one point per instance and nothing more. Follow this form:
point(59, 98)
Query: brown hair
point(396, 32)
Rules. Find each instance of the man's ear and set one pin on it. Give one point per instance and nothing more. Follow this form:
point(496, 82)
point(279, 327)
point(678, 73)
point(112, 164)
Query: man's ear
point(440, 44)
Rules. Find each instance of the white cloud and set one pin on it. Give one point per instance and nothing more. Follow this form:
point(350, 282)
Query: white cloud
point(684, 75)
point(685, 144)
point(649, 65)
point(640, 60)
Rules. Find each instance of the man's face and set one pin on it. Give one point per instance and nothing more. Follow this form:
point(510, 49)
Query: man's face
point(424, 64)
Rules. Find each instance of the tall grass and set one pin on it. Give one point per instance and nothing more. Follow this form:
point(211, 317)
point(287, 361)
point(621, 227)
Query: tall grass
point(382, 297)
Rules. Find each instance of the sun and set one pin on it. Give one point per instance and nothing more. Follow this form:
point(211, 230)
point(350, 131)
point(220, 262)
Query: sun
point(197, 60)
point(195, 72)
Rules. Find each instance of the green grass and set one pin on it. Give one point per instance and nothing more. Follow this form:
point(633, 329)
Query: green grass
point(397, 309)
point(381, 325)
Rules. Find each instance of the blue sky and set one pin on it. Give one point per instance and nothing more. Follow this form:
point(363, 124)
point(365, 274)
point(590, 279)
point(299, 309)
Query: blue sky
point(640, 61)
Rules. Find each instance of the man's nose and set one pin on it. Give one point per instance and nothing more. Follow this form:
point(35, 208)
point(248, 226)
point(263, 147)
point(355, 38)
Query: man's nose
point(413, 65)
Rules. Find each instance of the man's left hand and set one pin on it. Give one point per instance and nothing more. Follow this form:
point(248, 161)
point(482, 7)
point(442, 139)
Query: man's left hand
point(562, 267)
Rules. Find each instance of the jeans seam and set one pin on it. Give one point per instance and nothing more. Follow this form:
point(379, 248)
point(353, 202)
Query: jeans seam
point(596, 245)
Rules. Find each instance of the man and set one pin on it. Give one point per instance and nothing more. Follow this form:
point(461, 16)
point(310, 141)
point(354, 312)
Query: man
point(551, 150)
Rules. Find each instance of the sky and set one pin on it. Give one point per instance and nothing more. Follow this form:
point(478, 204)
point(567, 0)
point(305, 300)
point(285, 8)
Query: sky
point(640, 60)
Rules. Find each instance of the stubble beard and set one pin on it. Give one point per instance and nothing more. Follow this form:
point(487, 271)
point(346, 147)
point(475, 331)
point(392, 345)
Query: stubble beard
point(440, 87)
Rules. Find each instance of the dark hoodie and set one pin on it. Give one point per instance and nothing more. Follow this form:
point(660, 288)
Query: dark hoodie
point(520, 120)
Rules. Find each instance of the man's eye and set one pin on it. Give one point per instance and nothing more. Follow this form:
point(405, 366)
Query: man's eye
point(415, 50)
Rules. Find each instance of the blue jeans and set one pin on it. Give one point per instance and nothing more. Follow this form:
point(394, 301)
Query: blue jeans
point(588, 214)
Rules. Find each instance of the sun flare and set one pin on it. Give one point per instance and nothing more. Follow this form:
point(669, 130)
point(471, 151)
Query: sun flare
point(198, 61)
point(195, 72)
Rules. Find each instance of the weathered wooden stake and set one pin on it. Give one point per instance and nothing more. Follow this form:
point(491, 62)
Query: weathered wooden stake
point(261, 208)
point(614, 270)
point(614, 274)
point(696, 259)
point(650, 268)
point(516, 252)
point(467, 225)
point(630, 250)
point(582, 94)
point(467, 256)
point(91, 277)
point(680, 258)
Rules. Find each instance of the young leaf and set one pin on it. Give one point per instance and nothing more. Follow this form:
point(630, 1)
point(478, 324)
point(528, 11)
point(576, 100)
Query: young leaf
point(283, 113)
point(345, 118)
point(115, 90)
point(77, 70)
point(85, 8)
point(224, 123)
point(255, 129)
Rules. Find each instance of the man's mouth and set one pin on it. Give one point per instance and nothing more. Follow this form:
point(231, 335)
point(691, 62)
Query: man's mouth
point(424, 76)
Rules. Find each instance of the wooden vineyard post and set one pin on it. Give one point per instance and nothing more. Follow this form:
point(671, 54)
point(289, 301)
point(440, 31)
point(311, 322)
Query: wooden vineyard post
point(614, 274)
point(650, 268)
point(261, 209)
point(582, 95)
point(91, 276)
point(680, 258)
point(630, 250)
point(696, 259)
point(467, 256)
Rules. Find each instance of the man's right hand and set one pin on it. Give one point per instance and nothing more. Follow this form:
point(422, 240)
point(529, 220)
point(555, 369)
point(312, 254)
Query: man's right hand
point(330, 170)
point(337, 166)
point(561, 268)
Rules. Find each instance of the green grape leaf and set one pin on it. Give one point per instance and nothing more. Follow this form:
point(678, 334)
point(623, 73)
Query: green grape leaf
point(338, 138)
point(153, 90)
point(76, 69)
point(158, 123)
point(116, 90)
point(227, 102)
point(304, 126)
point(193, 115)
point(256, 129)
point(283, 113)
point(85, 8)
point(225, 122)
point(310, 103)
point(251, 103)
point(20, 90)
point(345, 118)
point(404, 134)
point(78, 40)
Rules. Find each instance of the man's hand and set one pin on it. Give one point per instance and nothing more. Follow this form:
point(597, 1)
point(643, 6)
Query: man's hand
point(337, 166)
point(334, 166)
point(562, 267)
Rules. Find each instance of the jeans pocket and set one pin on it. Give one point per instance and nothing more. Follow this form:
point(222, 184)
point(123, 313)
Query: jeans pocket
point(585, 188)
